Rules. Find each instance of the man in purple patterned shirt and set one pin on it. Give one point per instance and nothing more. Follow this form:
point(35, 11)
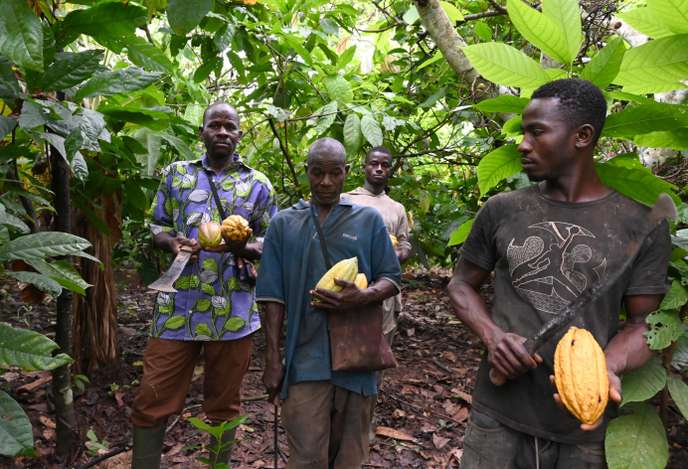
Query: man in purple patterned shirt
point(214, 311)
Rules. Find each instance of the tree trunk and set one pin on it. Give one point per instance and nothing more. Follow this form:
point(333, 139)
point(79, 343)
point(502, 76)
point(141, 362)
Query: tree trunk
point(66, 431)
point(95, 315)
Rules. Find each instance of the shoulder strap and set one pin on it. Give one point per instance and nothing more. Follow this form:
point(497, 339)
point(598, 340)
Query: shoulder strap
point(321, 237)
point(220, 208)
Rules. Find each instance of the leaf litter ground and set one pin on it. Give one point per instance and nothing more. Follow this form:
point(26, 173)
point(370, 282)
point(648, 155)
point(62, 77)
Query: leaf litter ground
point(421, 415)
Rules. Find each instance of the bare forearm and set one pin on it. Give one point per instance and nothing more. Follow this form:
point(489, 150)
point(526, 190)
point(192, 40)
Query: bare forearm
point(628, 349)
point(163, 241)
point(251, 251)
point(272, 316)
point(470, 308)
point(380, 291)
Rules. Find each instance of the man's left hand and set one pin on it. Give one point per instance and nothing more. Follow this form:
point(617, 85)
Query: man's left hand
point(348, 297)
point(614, 396)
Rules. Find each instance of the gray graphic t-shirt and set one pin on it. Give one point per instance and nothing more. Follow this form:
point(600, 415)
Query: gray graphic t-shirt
point(544, 254)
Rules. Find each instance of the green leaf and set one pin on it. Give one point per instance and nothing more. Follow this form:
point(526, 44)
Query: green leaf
point(643, 383)
point(338, 89)
point(638, 184)
point(175, 322)
point(566, 14)
point(184, 15)
point(453, 13)
point(202, 329)
point(676, 297)
point(605, 65)
point(146, 55)
point(8, 219)
point(411, 15)
point(21, 35)
point(680, 358)
point(325, 117)
point(202, 305)
point(676, 139)
point(9, 86)
point(673, 14)
point(679, 393)
point(503, 103)
point(234, 324)
point(153, 118)
point(659, 65)
point(644, 118)
point(44, 244)
point(637, 440)
point(70, 68)
point(540, 30)
point(16, 435)
point(346, 57)
point(436, 57)
point(120, 81)
point(353, 138)
point(63, 272)
point(42, 282)
point(107, 22)
point(664, 328)
point(178, 144)
point(371, 130)
point(645, 22)
point(33, 115)
point(460, 234)
point(28, 350)
point(498, 165)
point(506, 65)
point(7, 124)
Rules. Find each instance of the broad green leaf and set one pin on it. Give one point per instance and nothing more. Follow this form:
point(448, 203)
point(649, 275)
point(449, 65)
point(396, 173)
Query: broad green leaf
point(453, 13)
point(44, 244)
point(79, 166)
point(679, 393)
point(460, 234)
point(107, 22)
point(411, 15)
point(503, 103)
point(604, 66)
point(184, 15)
point(325, 117)
point(371, 130)
point(28, 350)
point(566, 14)
point(636, 440)
point(540, 30)
point(234, 324)
point(70, 68)
point(9, 86)
point(676, 139)
point(506, 65)
point(664, 328)
point(146, 55)
point(676, 297)
point(21, 35)
point(638, 184)
point(338, 89)
point(6, 125)
point(680, 358)
point(63, 272)
point(8, 219)
point(153, 118)
point(346, 57)
point(178, 144)
point(175, 322)
point(673, 14)
point(120, 81)
point(659, 65)
point(16, 434)
point(643, 20)
point(353, 138)
point(437, 56)
point(645, 118)
point(42, 282)
point(498, 165)
point(643, 383)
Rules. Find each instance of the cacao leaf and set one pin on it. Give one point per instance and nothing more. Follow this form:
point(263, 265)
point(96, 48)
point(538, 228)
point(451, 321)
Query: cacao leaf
point(540, 30)
point(45, 244)
point(28, 350)
point(642, 20)
point(566, 14)
point(325, 117)
point(505, 65)
point(120, 81)
point(146, 55)
point(638, 184)
point(21, 35)
point(498, 165)
point(338, 89)
point(184, 15)
point(70, 69)
point(637, 440)
point(605, 65)
point(679, 393)
point(9, 86)
point(352, 133)
point(676, 139)
point(16, 435)
point(676, 297)
point(502, 104)
point(107, 22)
point(664, 328)
point(646, 118)
point(643, 383)
point(42, 282)
point(62, 272)
point(673, 14)
point(371, 130)
point(460, 234)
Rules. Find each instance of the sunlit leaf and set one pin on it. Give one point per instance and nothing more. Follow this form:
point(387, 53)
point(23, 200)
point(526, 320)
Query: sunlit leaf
point(505, 65)
point(16, 435)
point(636, 440)
point(371, 130)
point(643, 383)
point(498, 165)
point(28, 350)
point(21, 35)
point(604, 66)
point(539, 29)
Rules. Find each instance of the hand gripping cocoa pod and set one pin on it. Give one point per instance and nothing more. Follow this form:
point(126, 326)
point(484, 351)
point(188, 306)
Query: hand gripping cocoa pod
point(394, 240)
point(235, 228)
point(210, 235)
point(342, 270)
point(580, 374)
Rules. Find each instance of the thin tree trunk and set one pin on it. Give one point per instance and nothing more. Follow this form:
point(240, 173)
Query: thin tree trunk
point(66, 431)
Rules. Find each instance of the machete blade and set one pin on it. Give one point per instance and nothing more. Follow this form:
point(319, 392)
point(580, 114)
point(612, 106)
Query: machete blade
point(166, 281)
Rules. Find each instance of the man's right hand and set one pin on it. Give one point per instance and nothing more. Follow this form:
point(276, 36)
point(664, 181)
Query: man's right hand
point(272, 377)
point(508, 356)
point(176, 243)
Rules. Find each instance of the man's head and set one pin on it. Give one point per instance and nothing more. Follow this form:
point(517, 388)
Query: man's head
point(378, 166)
point(327, 170)
point(561, 126)
point(220, 131)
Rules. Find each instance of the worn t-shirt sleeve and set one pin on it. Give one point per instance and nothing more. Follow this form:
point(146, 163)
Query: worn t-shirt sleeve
point(385, 263)
point(270, 282)
point(649, 274)
point(479, 248)
point(402, 233)
point(161, 209)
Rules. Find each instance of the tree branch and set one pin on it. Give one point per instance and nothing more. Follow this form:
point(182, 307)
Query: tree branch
point(285, 152)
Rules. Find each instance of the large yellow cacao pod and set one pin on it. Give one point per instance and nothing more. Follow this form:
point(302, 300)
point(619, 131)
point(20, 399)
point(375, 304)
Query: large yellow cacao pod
point(361, 281)
point(394, 240)
point(210, 235)
point(580, 373)
point(235, 228)
point(342, 270)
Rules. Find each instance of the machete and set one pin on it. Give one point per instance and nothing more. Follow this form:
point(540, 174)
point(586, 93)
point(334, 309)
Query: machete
point(663, 209)
point(166, 281)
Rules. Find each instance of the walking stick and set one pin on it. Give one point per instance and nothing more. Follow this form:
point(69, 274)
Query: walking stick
point(275, 435)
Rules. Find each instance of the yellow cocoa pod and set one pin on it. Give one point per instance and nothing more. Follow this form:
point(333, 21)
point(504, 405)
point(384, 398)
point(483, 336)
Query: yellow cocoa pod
point(235, 228)
point(394, 240)
point(361, 281)
point(342, 270)
point(210, 235)
point(580, 373)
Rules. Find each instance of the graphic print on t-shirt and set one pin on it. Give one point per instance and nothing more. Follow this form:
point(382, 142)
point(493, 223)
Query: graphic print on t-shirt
point(554, 264)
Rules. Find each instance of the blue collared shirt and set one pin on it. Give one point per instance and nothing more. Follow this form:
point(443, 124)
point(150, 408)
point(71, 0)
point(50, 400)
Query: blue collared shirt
point(291, 265)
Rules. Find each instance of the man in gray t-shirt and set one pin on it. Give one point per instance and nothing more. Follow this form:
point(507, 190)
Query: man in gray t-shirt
point(546, 244)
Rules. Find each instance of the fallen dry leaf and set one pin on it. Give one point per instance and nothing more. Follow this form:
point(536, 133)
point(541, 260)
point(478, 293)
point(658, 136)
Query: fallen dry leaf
point(464, 396)
point(393, 433)
point(439, 441)
point(461, 415)
point(35, 384)
point(47, 421)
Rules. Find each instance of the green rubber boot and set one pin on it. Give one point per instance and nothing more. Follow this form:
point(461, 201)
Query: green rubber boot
point(147, 447)
point(225, 454)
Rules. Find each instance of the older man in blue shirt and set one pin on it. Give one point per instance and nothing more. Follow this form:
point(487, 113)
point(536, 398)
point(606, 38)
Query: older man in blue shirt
point(325, 413)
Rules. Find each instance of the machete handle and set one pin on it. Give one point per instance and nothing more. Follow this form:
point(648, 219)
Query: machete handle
point(496, 377)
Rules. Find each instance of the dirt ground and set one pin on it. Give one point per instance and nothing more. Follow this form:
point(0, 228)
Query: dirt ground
point(421, 416)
